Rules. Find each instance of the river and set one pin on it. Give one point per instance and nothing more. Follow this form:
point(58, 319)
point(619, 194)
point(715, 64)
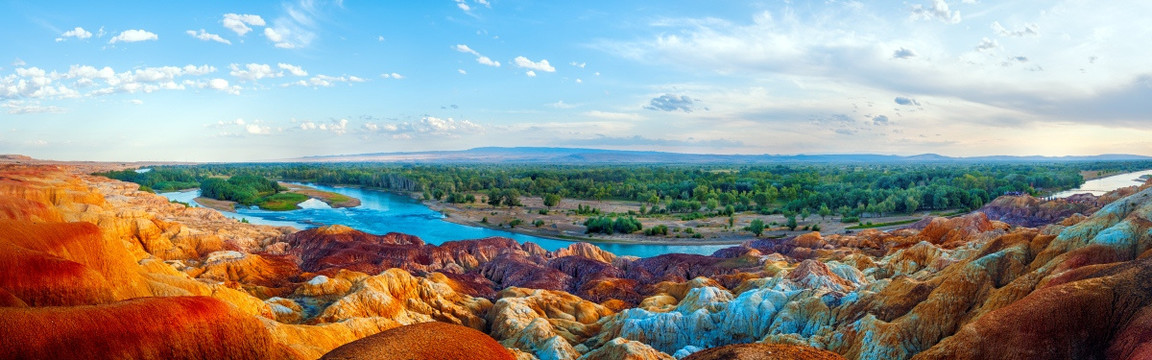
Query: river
point(382, 212)
point(1105, 184)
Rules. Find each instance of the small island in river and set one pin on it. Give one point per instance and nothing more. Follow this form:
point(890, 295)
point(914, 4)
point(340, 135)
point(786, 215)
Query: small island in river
point(283, 197)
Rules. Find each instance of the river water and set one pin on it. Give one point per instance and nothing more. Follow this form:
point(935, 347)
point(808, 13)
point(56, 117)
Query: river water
point(382, 212)
point(1105, 184)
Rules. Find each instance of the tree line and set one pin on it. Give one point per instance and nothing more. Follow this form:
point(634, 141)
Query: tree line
point(846, 189)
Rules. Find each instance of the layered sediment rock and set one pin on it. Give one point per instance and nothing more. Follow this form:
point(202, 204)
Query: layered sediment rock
point(1059, 279)
point(144, 328)
point(764, 352)
point(424, 341)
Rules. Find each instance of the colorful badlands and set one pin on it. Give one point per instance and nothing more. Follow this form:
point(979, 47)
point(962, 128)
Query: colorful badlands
point(93, 268)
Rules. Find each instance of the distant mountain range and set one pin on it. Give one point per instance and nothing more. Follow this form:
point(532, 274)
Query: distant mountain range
point(551, 155)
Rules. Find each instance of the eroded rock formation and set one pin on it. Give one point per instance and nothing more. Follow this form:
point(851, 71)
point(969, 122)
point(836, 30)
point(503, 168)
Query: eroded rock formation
point(94, 262)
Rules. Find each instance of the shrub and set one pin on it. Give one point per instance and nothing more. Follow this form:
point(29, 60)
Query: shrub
point(656, 230)
point(607, 225)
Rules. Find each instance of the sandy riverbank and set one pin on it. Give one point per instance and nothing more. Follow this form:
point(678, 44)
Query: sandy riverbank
point(561, 222)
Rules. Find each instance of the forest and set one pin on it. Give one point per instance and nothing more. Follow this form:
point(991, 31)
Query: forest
point(851, 190)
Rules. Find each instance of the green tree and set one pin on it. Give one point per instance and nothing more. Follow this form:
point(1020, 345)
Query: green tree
point(804, 214)
point(792, 223)
point(551, 200)
point(911, 204)
point(756, 227)
point(824, 211)
point(494, 197)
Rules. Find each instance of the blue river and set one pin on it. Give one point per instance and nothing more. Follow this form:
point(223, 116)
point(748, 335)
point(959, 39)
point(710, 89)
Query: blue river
point(382, 212)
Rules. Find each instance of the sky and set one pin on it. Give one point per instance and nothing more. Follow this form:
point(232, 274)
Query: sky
point(259, 80)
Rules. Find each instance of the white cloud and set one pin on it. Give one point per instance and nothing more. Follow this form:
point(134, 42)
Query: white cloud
point(78, 33)
point(1027, 30)
point(530, 73)
point(987, 44)
point(487, 61)
point(561, 105)
point(579, 65)
point(253, 72)
point(542, 65)
point(36, 83)
point(296, 27)
point(277, 38)
point(325, 81)
point(463, 5)
point(426, 126)
point(380, 38)
point(479, 58)
point(392, 76)
point(241, 128)
point(257, 129)
point(133, 36)
point(462, 72)
point(465, 49)
point(218, 84)
point(938, 10)
point(293, 69)
point(239, 22)
point(204, 35)
point(485, 3)
point(137, 102)
point(613, 115)
point(16, 107)
point(339, 127)
point(578, 81)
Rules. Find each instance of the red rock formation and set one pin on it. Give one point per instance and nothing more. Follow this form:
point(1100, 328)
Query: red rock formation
point(15, 208)
point(764, 352)
point(255, 269)
point(586, 250)
point(1075, 320)
point(953, 232)
point(146, 328)
point(425, 341)
point(65, 264)
point(1032, 212)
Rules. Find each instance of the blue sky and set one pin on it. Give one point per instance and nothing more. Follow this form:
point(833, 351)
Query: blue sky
point(232, 81)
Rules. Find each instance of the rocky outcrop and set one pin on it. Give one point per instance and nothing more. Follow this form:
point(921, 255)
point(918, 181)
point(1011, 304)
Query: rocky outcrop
point(424, 341)
point(1028, 211)
point(160, 328)
point(397, 295)
point(548, 324)
point(64, 264)
point(622, 349)
point(763, 352)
